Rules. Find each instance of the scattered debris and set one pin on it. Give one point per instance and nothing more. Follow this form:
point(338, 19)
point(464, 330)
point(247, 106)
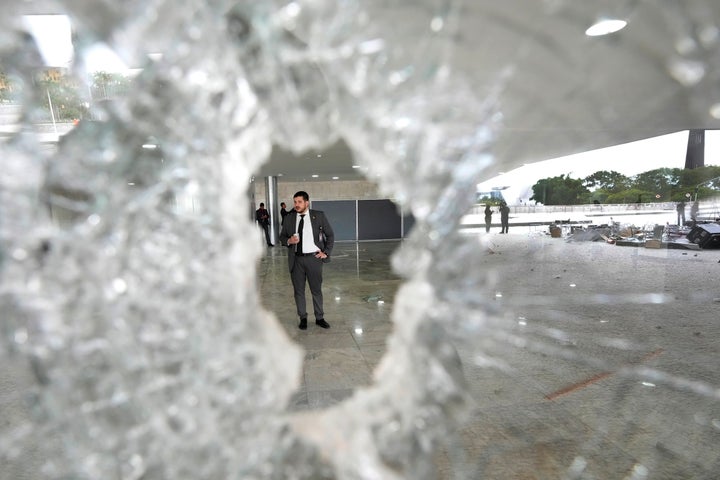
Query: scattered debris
point(590, 235)
point(373, 298)
point(650, 236)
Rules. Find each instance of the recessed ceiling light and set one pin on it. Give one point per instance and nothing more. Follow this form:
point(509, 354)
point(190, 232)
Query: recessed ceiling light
point(315, 176)
point(370, 47)
point(356, 166)
point(336, 178)
point(437, 24)
point(715, 110)
point(605, 26)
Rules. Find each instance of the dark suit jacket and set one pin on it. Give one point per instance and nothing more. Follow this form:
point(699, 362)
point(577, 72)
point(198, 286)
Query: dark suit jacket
point(262, 216)
point(320, 225)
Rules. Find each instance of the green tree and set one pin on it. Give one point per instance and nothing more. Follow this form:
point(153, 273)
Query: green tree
point(560, 190)
point(69, 97)
point(604, 183)
point(109, 85)
point(67, 101)
point(609, 181)
point(9, 89)
point(632, 195)
point(704, 180)
point(660, 181)
point(691, 177)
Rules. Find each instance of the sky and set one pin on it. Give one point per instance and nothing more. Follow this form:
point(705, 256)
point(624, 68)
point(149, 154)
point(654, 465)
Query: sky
point(666, 151)
point(53, 35)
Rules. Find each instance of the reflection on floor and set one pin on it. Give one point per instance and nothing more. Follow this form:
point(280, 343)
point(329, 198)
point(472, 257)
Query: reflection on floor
point(358, 288)
point(551, 396)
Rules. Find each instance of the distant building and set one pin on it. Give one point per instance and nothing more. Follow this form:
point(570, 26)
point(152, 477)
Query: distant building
point(494, 194)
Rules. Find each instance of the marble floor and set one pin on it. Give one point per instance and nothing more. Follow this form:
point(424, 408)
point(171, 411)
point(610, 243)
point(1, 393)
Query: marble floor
point(571, 398)
point(358, 288)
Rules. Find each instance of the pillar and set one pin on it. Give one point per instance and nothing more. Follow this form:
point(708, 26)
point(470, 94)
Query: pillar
point(273, 206)
point(695, 156)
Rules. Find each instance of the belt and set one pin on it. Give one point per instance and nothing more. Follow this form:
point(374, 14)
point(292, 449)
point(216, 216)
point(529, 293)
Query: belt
point(305, 254)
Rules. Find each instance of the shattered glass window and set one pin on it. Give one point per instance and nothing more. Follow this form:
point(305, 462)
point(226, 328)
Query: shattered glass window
point(133, 338)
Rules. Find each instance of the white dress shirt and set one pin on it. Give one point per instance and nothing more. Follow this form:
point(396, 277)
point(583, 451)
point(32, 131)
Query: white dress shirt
point(308, 245)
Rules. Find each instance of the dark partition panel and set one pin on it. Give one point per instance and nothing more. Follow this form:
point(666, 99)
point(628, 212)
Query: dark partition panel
point(341, 214)
point(408, 223)
point(378, 220)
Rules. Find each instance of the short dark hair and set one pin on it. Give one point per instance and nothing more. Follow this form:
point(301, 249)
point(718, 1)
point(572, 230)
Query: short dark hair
point(302, 194)
point(262, 204)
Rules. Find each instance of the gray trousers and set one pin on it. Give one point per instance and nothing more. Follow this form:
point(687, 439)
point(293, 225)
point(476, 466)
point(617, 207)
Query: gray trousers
point(308, 268)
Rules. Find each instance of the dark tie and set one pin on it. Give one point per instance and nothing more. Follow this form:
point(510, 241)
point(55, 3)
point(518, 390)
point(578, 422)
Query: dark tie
point(301, 226)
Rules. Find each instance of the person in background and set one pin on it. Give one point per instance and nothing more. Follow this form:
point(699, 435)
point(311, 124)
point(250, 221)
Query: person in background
point(310, 239)
point(504, 217)
point(283, 212)
point(694, 209)
point(488, 217)
point(262, 216)
point(680, 213)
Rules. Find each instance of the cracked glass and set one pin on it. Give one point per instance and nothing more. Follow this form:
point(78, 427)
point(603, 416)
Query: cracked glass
point(127, 345)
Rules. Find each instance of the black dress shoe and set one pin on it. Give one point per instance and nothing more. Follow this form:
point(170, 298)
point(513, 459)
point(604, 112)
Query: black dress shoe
point(303, 324)
point(322, 323)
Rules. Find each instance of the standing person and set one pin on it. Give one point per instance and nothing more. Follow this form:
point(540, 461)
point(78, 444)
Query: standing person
point(488, 217)
point(283, 212)
point(680, 213)
point(262, 216)
point(504, 217)
point(310, 239)
point(694, 211)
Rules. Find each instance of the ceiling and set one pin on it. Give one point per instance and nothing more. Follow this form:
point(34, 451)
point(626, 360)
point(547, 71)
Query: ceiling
point(332, 163)
point(569, 92)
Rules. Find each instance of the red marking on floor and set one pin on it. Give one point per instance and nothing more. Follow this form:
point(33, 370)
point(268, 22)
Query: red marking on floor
point(596, 378)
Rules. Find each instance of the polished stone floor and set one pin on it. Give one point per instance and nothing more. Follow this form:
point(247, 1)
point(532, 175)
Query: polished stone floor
point(562, 393)
point(358, 288)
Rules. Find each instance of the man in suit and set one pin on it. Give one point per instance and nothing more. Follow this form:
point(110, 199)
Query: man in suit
point(310, 239)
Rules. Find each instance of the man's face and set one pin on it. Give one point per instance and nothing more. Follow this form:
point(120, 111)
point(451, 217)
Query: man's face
point(300, 204)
